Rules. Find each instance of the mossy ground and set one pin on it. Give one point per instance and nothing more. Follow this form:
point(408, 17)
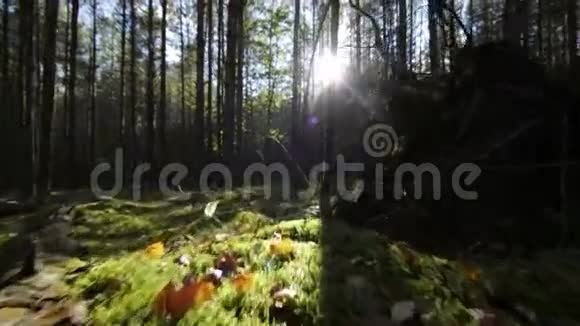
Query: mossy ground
point(342, 275)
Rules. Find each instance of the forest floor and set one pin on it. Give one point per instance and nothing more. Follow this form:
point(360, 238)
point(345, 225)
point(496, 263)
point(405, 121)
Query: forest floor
point(232, 258)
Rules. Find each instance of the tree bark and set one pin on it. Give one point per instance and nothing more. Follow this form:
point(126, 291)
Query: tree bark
point(240, 81)
point(294, 134)
point(358, 39)
point(230, 80)
point(93, 90)
point(184, 122)
point(5, 50)
point(402, 39)
point(163, 86)
point(434, 56)
point(72, 95)
point(328, 136)
point(150, 96)
point(572, 35)
point(209, 123)
point(220, 90)
point(48, 81)
point(122, 74)
point(198, 124)
point(133, 147)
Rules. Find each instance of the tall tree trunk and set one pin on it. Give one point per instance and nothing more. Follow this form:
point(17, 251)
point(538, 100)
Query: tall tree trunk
point(122, 74)
point(434, 56)
point(163, 86)
point(387, 42)
point(240, 81)
point(270, 77)
point(208, 122)
point(452, 37)
point(71, 128)
point(358, 39)
point(295, 78)
point(198, 123)
point(93, 90)
point(572, 35)
point(20, 82)
point(150, 97)
point(549, 29)
point(230, 81)
point(5, 49)
point(28, 98)
point(49, 55)
point(402, 38)
point(220, 90)
point(411, 35)
point(328, 137)
point(184, 122)
point(540, 32)
point(66, 66)
point(133, 147)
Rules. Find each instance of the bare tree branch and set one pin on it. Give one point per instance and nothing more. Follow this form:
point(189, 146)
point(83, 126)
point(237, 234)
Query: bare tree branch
point(455, 16)
point(376, 27)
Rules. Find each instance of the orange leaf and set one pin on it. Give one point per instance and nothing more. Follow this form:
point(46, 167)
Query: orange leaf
point(243, 282)
point(188, 296)
point(471, 272)
point(203, 293)
point(160, 305)
point(175, 303)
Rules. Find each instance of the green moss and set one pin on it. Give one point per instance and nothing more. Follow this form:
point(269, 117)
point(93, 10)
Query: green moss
point(341, 275)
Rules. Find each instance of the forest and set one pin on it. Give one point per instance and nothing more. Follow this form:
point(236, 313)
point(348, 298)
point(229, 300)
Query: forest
point(305, 162)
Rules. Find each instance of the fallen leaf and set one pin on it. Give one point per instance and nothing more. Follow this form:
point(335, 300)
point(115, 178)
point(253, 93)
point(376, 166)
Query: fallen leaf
point(243, 282)
point(155, 250)
point(210, 208)
point(160, 304)
point(471, 272)
point(176, 303)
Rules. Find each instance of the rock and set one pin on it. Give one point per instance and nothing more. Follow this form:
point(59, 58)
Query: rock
point(13, 315)
point(402, 311)
point(184, 260)
point(78, 313)
point(43, 280)
point(221, 237)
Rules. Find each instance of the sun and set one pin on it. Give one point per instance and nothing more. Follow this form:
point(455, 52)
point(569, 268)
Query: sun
point(329, 69)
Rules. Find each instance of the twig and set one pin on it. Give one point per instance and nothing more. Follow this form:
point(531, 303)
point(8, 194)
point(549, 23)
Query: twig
point(510, 137)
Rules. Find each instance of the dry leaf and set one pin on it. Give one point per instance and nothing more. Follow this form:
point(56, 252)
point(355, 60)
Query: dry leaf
point(176, 303)
point(155, 250)
point(471, 272)
point(160, 305)
point(210, 208)
point(243, 282)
